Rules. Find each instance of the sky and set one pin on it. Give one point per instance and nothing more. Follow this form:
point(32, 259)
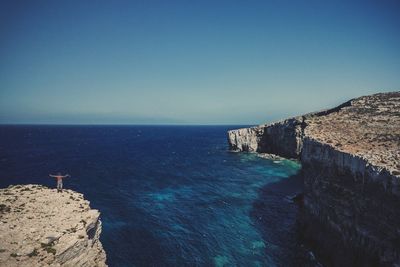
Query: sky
point(191, 62)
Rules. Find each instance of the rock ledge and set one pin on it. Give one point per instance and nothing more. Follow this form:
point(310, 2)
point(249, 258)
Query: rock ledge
point(40, 227)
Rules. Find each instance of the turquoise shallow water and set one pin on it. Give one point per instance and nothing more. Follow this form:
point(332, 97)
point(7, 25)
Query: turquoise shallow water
point(169, 196)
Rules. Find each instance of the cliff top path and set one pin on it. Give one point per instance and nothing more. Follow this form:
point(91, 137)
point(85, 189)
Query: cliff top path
point(40, 227)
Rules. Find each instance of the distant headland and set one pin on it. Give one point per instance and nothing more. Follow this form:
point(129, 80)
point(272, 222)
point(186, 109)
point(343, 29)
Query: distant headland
point(350, 158)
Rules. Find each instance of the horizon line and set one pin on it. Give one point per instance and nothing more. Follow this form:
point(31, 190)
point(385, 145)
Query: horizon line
point(124, 124)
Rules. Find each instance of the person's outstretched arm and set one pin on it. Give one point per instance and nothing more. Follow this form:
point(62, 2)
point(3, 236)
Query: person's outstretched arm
point(52, 175)
point(67, 175)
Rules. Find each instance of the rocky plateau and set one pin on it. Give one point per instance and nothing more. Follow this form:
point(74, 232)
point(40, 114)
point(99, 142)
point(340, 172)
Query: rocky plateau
point(40, 227)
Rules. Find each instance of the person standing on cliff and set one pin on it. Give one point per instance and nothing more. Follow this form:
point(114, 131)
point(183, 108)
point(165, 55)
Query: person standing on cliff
point(59, 178)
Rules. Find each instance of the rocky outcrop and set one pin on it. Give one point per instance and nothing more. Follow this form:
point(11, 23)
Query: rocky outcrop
point(246, 139)
point(350, 159)
point(284, 138)
point(40, 227)
point(281, 138)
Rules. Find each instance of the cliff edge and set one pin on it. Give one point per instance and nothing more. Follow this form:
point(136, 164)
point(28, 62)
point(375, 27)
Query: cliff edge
point(40, 227)
point(350, 159)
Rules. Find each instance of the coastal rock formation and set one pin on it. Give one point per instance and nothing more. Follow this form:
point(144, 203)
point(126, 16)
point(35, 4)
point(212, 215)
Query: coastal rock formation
point(350, 159)
point(40, 227)
point(282, 138)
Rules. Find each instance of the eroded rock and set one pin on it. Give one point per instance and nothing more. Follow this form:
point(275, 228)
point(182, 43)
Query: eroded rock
point(52, 230)
point(350, 159)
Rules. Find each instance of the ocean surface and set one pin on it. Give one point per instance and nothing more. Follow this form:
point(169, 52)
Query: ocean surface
point(168, 195)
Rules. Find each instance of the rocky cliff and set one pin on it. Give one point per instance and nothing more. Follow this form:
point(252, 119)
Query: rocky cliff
point(350, 159)
point(282, 138)
point(40, 227)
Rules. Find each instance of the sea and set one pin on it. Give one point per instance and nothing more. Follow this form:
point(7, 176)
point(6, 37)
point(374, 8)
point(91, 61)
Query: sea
point(168, 195)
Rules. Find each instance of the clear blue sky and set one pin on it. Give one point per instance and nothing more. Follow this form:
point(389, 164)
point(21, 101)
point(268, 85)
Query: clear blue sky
point(231, 62)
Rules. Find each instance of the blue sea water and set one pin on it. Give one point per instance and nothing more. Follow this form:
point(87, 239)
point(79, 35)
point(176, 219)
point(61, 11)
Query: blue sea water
point(168, 195)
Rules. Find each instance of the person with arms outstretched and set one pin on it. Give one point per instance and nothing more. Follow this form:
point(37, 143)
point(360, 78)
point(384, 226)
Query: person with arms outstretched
point(59, 178)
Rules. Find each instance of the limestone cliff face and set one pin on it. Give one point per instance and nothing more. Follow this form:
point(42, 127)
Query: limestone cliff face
point(282, 138)
point(350, 159)
point(246, 139)
point(349, 204)
point(40, 227)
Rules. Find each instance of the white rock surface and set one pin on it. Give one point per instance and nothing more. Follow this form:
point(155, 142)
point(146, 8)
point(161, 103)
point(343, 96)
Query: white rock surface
point(245, 139)
point(40, 227)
